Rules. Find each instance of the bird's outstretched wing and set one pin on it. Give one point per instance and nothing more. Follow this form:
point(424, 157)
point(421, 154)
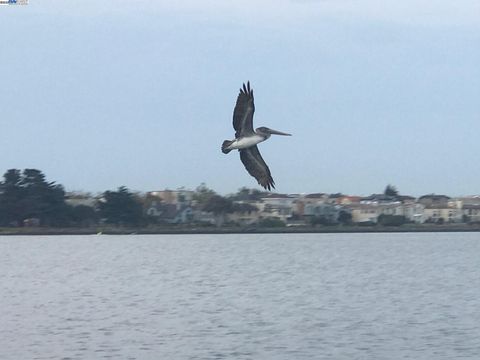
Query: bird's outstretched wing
point(243, 112)
point(256, 167)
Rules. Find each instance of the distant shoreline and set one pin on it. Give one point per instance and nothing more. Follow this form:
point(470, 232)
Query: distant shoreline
point(237, 230)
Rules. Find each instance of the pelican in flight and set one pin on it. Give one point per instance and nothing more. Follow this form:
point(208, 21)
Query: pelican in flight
point(246, 139)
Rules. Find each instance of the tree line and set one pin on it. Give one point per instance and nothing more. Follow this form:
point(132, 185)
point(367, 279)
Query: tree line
point(28, 199)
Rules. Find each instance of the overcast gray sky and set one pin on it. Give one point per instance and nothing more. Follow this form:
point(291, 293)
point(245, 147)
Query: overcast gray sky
point(99, 94)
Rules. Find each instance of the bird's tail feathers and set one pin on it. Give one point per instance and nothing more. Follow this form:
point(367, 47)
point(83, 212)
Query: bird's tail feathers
point(225, 145)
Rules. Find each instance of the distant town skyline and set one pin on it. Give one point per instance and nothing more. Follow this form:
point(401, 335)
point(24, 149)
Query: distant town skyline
point(141, 94)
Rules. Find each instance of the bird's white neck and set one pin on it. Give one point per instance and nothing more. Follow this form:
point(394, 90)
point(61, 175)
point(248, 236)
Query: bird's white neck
point(247, 141)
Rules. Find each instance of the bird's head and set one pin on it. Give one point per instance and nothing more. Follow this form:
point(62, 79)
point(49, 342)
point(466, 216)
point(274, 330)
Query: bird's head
point(267, 132)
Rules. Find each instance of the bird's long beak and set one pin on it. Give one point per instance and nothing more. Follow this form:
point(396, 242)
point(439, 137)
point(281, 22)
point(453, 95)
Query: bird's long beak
point(275, 132)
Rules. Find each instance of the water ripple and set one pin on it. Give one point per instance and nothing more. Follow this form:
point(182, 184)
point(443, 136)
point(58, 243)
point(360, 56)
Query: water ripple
point(328, 296)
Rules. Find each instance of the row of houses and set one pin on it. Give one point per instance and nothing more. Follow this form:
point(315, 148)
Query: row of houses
point(180, 207)
point(425, 209)
point(301, 209)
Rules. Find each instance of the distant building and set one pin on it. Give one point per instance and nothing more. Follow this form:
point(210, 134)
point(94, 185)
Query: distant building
point(244, 214)
point(317, 196)
point(470, 207)
point(155, 207)
point(348, 199)
point(278, 206)
point(31, 222)
point(84, 199)
point(414, 212)
point(405, 199)
point(168, 213)
point(364, 213)
point(471, 213)
point(179, 198)
point(470, 200)
point(442, 213)
point(379, 199)
point(204, 217)
point(370, 211)
point(433, 200)
point(302, 202)
point(327, 211)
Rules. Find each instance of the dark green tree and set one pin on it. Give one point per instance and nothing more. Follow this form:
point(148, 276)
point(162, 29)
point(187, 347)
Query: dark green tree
point(120, 207)
point(391, 220)
point(82, 215)
point(245, 194)
point(344, 217)
point(28, 195)
point(320, 220)
point(11, 212)
point(202, 195)
point(219, 206)
point(43, 200)
point(271, 223)
point(391, 190)
point(242, 194)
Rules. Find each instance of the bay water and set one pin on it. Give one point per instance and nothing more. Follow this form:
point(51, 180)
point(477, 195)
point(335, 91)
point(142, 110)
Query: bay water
point(252, 296)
